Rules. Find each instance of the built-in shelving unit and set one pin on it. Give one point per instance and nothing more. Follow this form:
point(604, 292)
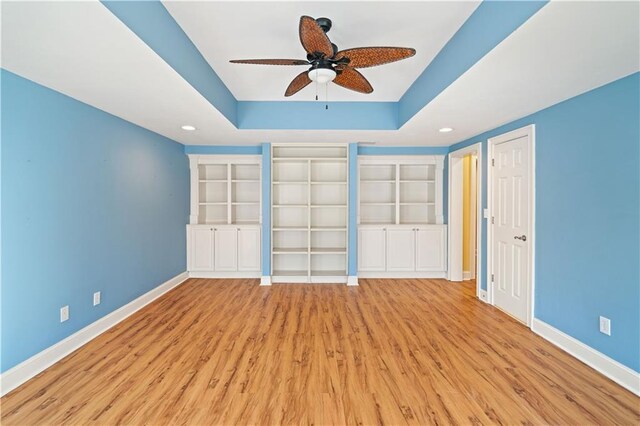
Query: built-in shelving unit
point(400, 231)
point(401, 190)
point(224, 232)
point(309, 213)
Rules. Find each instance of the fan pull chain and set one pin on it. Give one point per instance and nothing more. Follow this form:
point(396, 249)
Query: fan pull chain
point(316, 85)
point(326, 96)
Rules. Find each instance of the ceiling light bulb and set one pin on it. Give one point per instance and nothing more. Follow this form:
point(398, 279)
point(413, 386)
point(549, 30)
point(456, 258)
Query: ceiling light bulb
point(446, 130)
point(188, 128)
point(322, 75)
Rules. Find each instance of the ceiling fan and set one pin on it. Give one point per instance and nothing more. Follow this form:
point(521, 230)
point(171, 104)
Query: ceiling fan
point(330, 64)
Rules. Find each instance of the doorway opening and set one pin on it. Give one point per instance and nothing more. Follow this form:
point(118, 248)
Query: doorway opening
point(465, 217)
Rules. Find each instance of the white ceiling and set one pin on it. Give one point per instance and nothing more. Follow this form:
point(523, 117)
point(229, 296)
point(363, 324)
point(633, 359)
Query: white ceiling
point(255, 30)
point(565, 49)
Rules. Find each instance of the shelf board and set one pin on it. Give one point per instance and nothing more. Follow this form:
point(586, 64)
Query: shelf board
point(246, 222)
point(290, 228)
point(314, 206)
point(322, 273)
point(290, 273)
point(245, 203)
point(277, 206)
point(300, 250)
point(292, 182)
point(377, 223)
point(377, 181)
point(245, 180)
point(377, 204)
point(212, 181)
point(418, 204)
point(328, 182)
point(213, 203)
point(328, 228)
point(313, 159)
point(417, 181)
point(336, 250)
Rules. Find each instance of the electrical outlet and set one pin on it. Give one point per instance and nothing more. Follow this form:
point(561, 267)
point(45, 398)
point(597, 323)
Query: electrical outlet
point(96, 298)
point(483, 295)
point(64, 313)
point(605, 326)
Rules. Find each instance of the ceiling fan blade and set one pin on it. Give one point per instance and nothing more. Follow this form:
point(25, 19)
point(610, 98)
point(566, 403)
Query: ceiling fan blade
point(353, 80)
point(363, 57)
point(312, 37)
point(270, 61)
point(300, 82)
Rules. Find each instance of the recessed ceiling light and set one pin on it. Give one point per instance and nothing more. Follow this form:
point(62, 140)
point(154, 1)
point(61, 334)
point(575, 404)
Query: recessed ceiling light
point(445, 130)
point(188, 128)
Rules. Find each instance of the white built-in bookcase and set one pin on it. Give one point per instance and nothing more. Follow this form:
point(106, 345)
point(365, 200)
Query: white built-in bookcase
point(226, 190)
point(399, 190)
point(309, 213)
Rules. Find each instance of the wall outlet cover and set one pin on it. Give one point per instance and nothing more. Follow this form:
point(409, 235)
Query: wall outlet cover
point(96, 298)
point(483, 296)
point(64, 313)
point(605, 326)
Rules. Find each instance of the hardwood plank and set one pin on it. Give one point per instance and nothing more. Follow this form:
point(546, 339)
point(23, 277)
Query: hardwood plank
point(387, 352)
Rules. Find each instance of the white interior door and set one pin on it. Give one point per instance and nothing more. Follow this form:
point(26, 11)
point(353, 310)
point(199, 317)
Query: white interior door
point(401, 249)
point(511, 227)
point(249, 249)
point(201, 250)
point(226, 249)
point(371, 249)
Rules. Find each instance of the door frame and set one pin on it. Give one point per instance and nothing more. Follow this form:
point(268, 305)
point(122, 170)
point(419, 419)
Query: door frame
point(455, 223)
point(491, 143)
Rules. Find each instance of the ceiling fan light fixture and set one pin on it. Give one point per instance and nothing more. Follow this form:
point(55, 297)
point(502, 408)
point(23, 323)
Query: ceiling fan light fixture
point(322, 75)
point(446, 130)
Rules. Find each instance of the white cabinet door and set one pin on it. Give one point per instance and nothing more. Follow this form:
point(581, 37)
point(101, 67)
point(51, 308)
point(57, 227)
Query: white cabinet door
point(401, 249)
point(430, 248)
point(226, 249)
point(371, 249)
point(249, 249)
point(201, 249)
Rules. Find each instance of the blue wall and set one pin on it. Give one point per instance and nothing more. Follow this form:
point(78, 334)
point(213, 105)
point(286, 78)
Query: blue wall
point(587, 215)
point(90, 203)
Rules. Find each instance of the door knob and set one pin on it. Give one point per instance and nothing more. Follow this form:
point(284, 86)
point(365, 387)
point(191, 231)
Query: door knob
point(522, 238)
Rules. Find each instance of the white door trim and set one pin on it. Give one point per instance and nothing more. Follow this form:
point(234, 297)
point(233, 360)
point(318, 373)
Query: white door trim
point(454, 245)
point(492, 142)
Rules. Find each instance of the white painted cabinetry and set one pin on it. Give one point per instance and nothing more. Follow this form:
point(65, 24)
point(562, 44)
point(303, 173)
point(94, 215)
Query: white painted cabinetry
point(223, 251)
point(372, 251)
point(400, 251)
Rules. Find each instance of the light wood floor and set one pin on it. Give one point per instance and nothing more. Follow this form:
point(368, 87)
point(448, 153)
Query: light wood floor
point(390, 351)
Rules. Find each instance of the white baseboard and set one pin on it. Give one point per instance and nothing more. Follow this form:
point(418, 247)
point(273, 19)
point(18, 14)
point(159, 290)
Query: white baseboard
point(621, 374)
point(228, 274)
point(352, 280)
point(265, 280)
point(27, 369)
point(467, 275)
point(399, 274)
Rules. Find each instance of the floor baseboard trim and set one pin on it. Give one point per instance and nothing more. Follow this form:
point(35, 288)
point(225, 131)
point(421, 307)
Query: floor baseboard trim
point(621, 374)
point(29, 368)
point(352, 280)
point(265, 280)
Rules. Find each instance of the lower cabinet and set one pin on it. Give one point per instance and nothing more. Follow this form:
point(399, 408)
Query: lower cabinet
point(402, 251)
point(227, 250)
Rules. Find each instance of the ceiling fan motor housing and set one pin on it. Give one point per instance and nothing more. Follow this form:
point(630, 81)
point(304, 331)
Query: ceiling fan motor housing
point(325, 24)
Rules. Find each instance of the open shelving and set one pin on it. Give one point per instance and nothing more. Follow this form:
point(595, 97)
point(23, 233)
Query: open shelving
point(226, 190)
point(398, 190)
point(309, 213)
